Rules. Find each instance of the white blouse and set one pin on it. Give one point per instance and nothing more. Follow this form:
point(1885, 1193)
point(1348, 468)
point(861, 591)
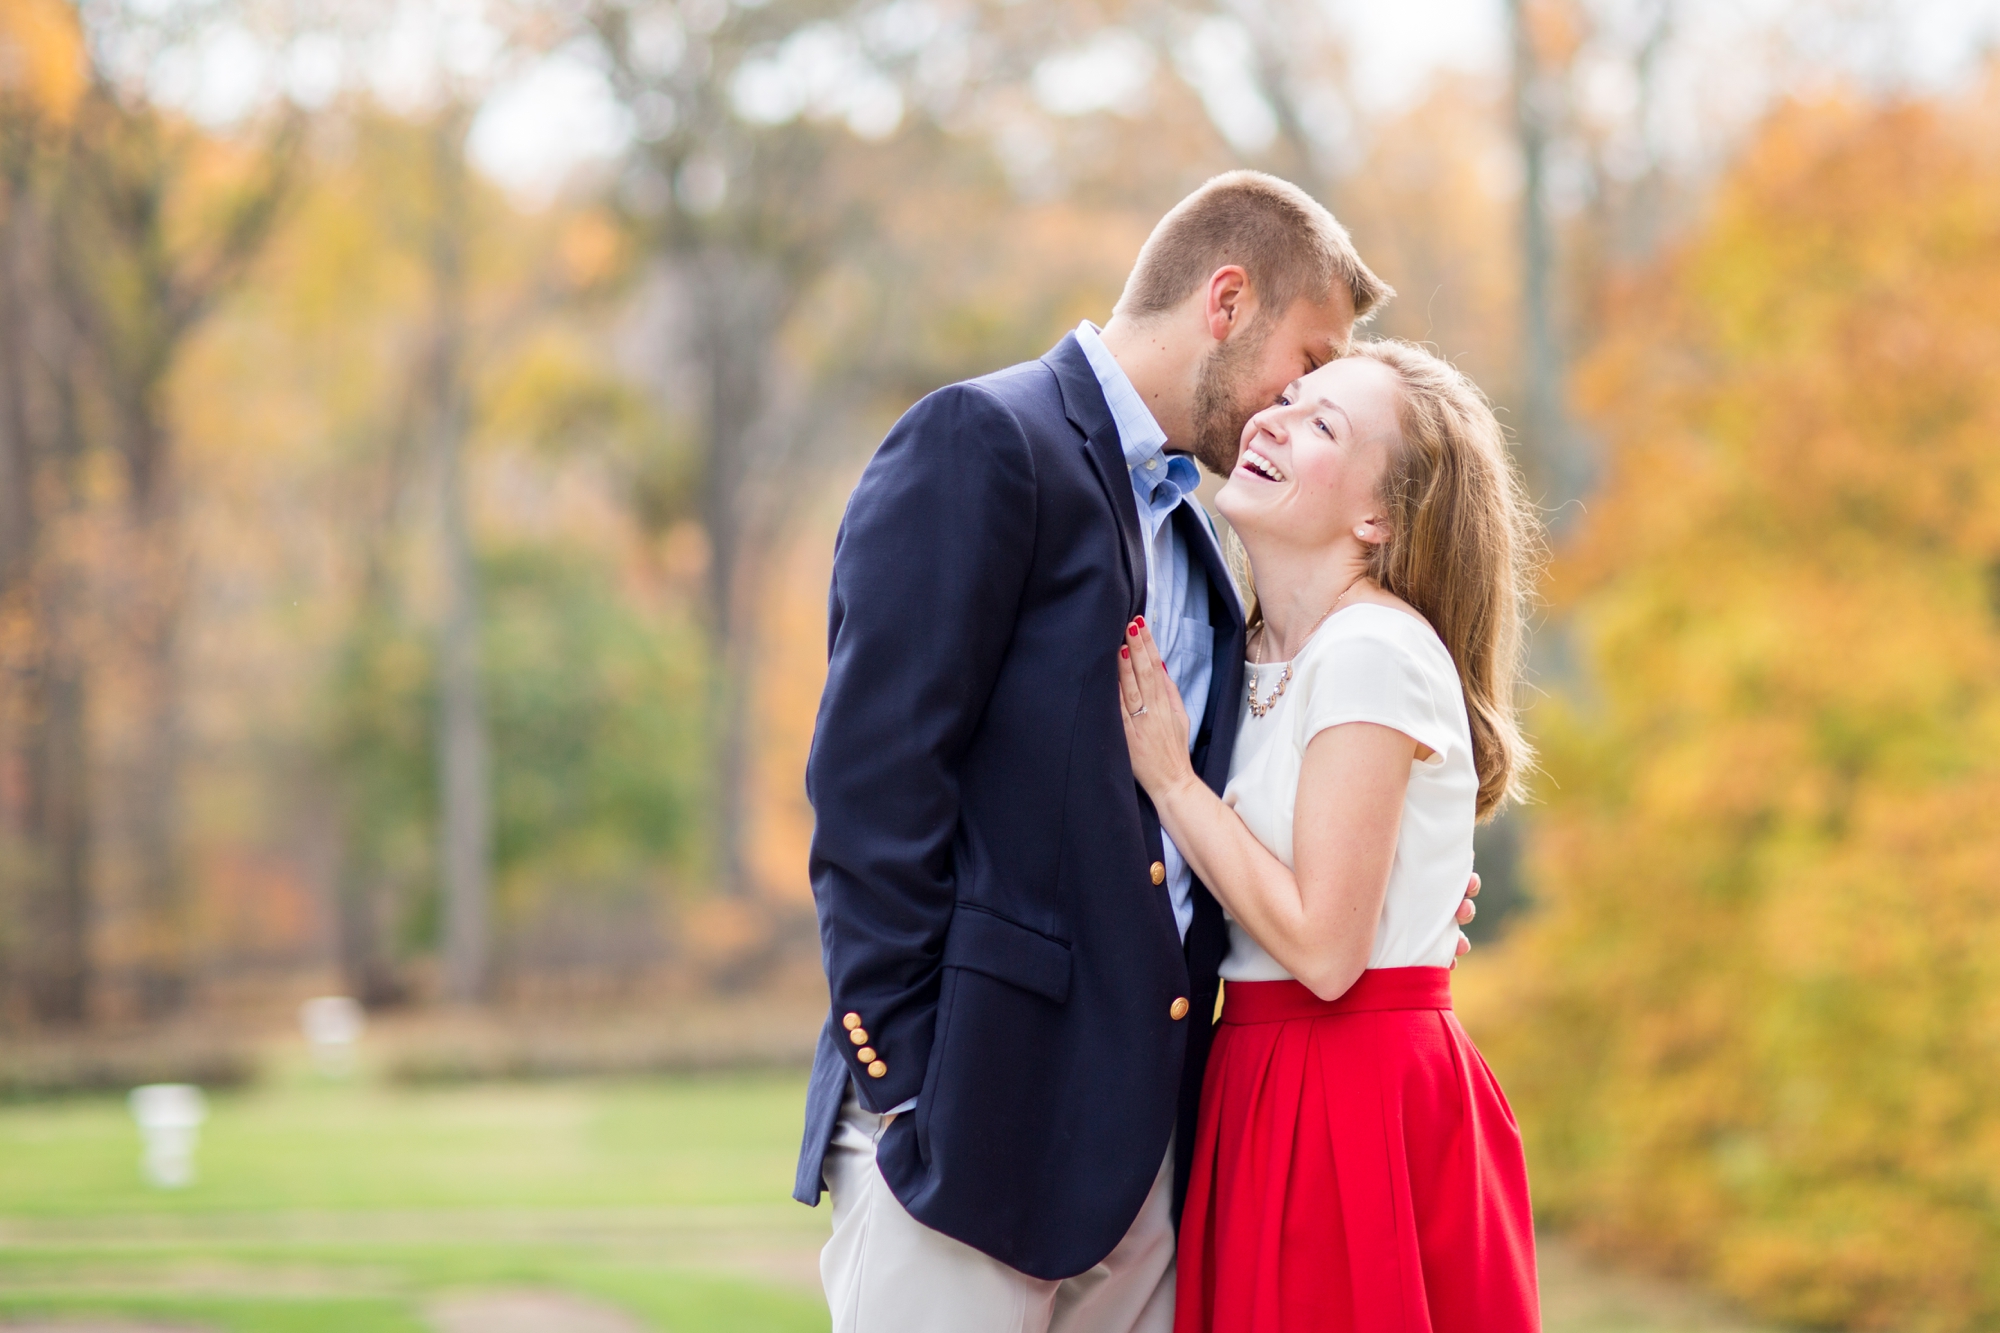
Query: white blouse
point(1367, 663)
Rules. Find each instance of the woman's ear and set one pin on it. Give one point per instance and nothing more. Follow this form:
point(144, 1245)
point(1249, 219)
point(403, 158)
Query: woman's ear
point(1371, 532)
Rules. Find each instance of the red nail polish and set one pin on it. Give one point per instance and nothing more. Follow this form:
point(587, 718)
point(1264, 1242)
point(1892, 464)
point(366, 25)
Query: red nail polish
point(1140, 621)
point(1123, 651)
point(1133, 630)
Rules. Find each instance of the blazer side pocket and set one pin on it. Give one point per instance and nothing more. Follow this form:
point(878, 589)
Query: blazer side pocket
point(980, 941)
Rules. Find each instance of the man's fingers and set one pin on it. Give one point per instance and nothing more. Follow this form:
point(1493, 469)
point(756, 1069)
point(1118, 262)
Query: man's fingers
point(1466, 911)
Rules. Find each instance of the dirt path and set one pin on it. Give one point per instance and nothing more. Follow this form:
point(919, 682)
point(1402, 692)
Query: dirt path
point(473, 1312)
point(527, 1312)
point(769, 1247)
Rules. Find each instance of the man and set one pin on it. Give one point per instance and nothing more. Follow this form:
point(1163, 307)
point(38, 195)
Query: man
point(1023, 971)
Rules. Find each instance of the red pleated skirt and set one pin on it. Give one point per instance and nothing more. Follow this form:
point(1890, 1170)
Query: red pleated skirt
point(1356, 1170)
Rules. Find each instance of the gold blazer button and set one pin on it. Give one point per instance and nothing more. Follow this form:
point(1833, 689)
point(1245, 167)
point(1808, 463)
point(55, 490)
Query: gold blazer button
point(1178, 1009)
point(1159, 872)
point(866, 1055)
point(851, 1022)
point(859, 1036)
point(877, 1069)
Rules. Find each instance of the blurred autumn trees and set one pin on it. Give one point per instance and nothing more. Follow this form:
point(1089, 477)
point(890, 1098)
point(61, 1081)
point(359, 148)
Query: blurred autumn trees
point(388, 560)
point(1754, 1030)
point(44, 861)
point(122, 230)
point(417, 589)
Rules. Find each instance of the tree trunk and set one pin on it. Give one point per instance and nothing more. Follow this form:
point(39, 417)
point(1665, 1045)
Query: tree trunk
point(55, 753)
point(151, 806)
point(741, 303)
point(40, 447)
point(363, 909)
point(366, 895)
point(62, 790)
point(18, 527)
point(57, 971)
point(464, 777)
point(465, 850)
point(1551, 442)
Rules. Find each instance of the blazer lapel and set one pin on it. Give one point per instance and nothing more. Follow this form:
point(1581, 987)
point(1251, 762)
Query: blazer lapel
point(1084, 405)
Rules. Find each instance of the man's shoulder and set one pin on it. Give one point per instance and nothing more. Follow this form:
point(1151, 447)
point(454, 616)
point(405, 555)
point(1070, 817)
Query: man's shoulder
point(1024, 401)
point(1027, 385)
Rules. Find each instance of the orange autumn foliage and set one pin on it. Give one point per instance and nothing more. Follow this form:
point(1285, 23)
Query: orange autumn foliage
point(1753, 1032)
point(42, 61)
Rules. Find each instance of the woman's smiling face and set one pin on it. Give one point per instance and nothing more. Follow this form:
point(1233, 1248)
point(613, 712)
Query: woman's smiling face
point(1309, 469)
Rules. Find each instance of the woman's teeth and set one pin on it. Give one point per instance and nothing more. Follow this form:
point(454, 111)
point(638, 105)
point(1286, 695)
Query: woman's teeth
point(1261, 465)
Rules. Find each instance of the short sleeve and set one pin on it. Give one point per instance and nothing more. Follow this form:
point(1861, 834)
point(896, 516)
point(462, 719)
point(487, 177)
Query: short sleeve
point(1369, 676)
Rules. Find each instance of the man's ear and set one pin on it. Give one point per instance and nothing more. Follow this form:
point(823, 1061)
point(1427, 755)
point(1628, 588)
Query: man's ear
point(1228, 305)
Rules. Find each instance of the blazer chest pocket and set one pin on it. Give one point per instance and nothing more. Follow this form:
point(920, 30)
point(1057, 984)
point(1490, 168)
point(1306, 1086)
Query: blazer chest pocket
point(993, 946)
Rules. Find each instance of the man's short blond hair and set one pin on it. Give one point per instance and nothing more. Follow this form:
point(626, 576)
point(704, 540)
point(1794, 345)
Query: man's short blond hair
point(1286, 241)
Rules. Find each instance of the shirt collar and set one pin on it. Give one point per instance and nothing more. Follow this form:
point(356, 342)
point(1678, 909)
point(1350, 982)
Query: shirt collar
point(1162, 478)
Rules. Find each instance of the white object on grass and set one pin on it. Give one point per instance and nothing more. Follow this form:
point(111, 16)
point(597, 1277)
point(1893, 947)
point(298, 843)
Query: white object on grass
point(332, 1023)
point(170, 1117)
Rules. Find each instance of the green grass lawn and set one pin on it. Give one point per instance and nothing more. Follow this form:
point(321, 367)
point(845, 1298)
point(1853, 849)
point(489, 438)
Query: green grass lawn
point(349, 1207)
point(354, 1208)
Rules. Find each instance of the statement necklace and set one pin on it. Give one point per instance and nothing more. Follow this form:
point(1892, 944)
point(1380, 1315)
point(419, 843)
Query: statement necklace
point(1259, 710)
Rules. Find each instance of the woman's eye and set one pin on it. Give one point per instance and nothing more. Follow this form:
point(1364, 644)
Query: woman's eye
point(1324, 427)
point(1282, 401)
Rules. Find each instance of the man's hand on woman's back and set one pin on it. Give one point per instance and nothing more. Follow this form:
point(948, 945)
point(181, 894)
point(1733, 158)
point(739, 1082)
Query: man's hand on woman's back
point(1466, 911)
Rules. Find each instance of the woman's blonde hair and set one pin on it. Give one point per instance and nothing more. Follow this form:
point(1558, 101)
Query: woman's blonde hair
point(1463, 545)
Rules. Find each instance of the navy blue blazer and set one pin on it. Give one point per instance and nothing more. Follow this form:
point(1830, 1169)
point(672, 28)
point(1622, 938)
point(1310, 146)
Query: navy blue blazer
point(982, 860)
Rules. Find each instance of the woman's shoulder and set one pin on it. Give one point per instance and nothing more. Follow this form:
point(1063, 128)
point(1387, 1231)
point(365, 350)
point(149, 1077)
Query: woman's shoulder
point(1391, 630)
point(1376, 663)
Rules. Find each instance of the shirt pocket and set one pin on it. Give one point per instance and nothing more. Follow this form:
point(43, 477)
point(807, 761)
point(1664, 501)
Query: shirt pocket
point(1191, 663)
point(1194, 640)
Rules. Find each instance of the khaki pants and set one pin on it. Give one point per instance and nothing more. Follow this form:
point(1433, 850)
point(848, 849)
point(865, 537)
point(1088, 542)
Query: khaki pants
point(886, 1272)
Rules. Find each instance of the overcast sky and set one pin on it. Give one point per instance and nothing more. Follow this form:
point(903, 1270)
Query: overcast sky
point(544, 118)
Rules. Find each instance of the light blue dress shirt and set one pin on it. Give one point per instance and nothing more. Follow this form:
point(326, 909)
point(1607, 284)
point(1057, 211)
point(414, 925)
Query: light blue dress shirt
point(1176, 588)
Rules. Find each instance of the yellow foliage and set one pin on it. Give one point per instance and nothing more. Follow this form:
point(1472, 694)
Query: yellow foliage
point(42, 57)
point(1754, 1030)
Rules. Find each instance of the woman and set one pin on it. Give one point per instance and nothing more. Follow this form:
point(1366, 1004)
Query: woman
point(1356, 1166)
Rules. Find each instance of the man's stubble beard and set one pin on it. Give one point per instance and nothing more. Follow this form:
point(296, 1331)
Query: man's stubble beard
point(1223, 401)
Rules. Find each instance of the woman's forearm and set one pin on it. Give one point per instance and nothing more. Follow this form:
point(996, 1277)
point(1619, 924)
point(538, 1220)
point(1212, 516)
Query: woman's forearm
point(1259, 890)
point(1318, 916)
